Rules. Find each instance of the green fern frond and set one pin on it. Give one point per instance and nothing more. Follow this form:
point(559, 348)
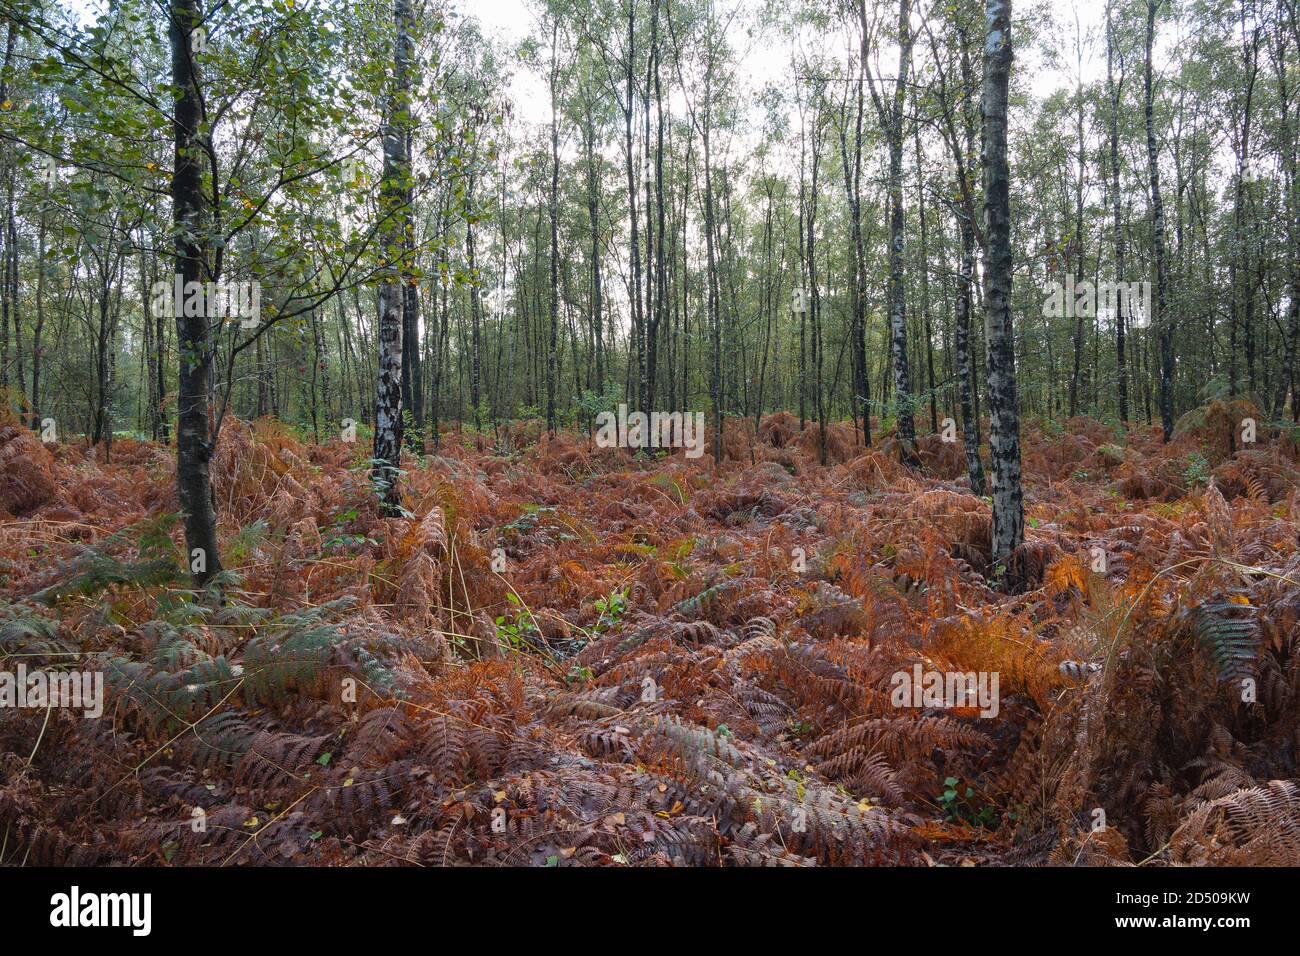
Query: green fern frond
point(707, 603)
point(168, 700)
point(23, 632)
point(1228, 633)
point(93, 572)
point(291, 653)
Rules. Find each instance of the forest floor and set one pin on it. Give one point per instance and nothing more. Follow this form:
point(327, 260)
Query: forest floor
point(569, 655)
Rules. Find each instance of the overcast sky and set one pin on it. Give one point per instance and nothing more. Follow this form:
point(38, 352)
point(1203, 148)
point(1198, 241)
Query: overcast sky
point(765, 58)
point(769, 57)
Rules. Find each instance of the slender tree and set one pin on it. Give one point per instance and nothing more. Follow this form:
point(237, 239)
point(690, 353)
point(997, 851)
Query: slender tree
point(890, 109)
point(1161, 320)
point(394, 212)
point(1004, 412)
point(193, 334)
point(1115, 88)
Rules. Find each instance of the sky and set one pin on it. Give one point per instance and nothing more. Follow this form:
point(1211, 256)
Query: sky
point(512, 20)
point(767, 57)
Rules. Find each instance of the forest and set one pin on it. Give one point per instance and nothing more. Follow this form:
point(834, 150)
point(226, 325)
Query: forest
point(644, 433)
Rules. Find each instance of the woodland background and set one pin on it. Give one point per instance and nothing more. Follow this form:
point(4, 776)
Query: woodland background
point(470, 636)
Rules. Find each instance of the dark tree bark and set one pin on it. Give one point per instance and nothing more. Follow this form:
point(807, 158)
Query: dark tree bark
point(554, 204)
point(593, 218)
point(193, 437)
point(852, 168)
point(320, 373)
point(715, 319)
point(475, 312)
point(925, 287)
point(814, 288)
point(1076, 242)
point(412, 380)
point(107, 299)
point(654, 188)
point(1121, 319)
point(39, 328)
point(11, 286)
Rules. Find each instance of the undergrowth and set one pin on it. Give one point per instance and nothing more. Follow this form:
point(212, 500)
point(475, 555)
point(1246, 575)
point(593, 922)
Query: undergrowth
point(570, 656)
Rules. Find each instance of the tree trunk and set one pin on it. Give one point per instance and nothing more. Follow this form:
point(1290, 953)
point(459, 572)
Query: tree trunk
point(1286, 374)
point(1117, 226)
point(1004, 415)
point(1160, 320)
point(593, 217)
point(412, 399)
point(965, 357)
point(897, 285)
point(1077, 257)
point(40, 321)
point(475, 313)
point(858, 290)
point(395, 216)
point(193, 438)
point(925, 288)
point(7, 174)
point(555, 229)
point(715, 320)
point(634, 242)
